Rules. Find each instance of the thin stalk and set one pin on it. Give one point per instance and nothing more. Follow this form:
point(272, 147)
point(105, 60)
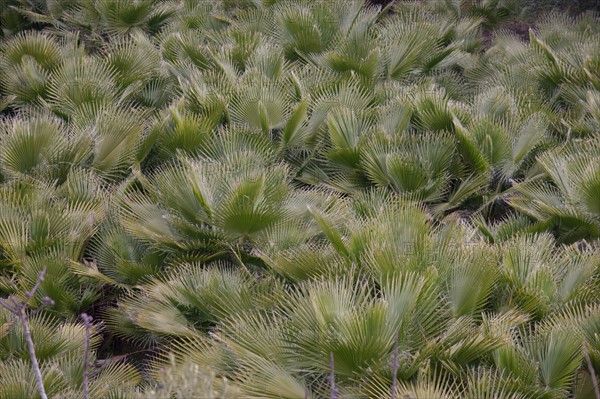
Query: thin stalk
point(592, 372)
point(36, 367)
point(395, 364)
point(333, 390)
point(87, 321)
point(18, 309)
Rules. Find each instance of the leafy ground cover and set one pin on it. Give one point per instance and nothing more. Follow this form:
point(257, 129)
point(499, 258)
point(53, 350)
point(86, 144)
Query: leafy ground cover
point(292, 199)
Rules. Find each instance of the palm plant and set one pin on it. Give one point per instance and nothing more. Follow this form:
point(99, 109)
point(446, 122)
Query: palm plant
point(41, 147)
point(432, 321)
point(193, 298)
point(204, 208)
point(571, 202)
point(59, 349)
point(188, 380)
point(117, 258)
point(27, 60)
point(47, 226)
point(300, 199)
point(418, 166)
point(305, 28)
point(99, 18)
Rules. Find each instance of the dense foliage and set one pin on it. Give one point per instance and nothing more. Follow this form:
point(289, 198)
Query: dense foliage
point(250, 196)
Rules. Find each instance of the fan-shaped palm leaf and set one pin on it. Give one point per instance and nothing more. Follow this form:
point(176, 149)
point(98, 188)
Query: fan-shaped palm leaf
point(42, 147)
point(573, 203)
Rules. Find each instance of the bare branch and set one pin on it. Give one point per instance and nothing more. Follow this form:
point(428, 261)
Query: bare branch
point(8, 306)
point(592, 372)
point(36, 367)
point(395, 364)
point(31, 293)
point(87, 322)
point(18, 309)
point(331, 378)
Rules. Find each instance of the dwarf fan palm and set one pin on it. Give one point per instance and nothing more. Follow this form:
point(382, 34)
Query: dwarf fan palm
point(316, 150)
point(41, 147)
point(26, 62)
point(59, 349)
point(571, 201)
point(42, 226)
point(204, 207)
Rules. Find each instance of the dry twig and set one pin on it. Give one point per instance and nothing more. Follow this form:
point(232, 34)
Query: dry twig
point(592, 372)
point(17, 307)
point(87, 322)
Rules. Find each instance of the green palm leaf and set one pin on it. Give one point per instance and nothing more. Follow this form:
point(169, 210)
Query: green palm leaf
point(41, 147)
